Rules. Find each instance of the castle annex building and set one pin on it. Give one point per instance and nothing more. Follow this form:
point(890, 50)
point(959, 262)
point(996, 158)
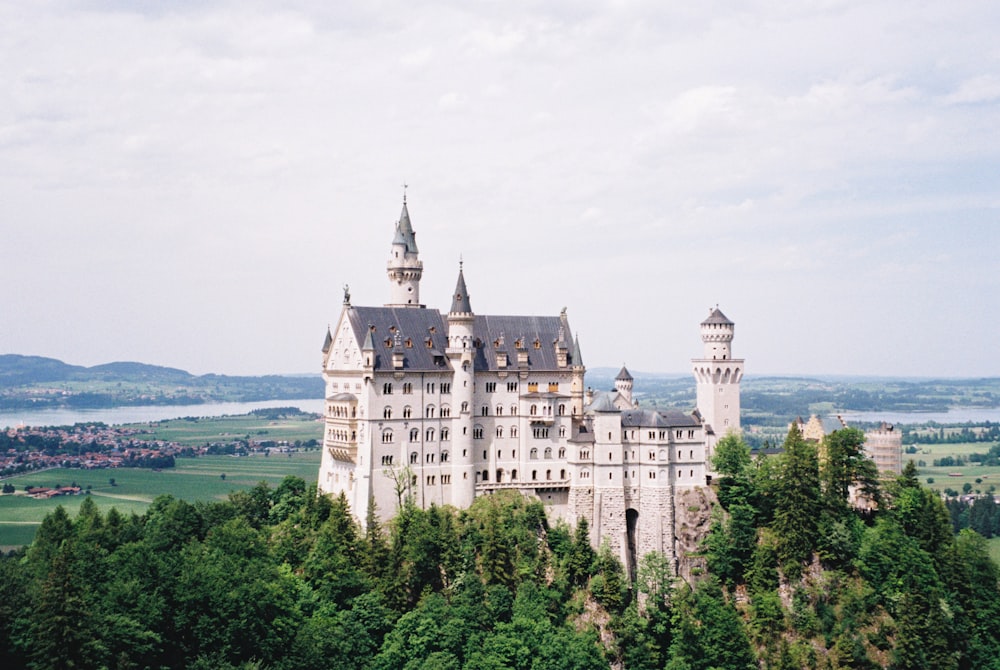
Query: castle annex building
point(447, 406)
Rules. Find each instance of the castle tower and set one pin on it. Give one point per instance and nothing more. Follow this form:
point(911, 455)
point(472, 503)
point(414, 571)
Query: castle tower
point(623, 384)
point(460, 353)
point(404, 267)
point(717, 375)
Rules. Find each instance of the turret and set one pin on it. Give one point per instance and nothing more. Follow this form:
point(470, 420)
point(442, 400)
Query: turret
point(717, 375)
point(623, 384)
point(717, 335)
point(404, 267)
point(460, 354)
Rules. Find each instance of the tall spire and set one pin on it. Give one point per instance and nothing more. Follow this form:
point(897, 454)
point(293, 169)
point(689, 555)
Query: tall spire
point(404, 231)
point(404, 267)
point(460, 301)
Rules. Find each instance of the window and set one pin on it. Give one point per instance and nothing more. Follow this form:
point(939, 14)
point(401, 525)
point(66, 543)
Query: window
point(499, 410)
point(585, 453)
point(533, 454)
point(429, 458)
point(414, 434)
point(548, 452)
point(465, 407)
point(386, 436)
point(534, 410)
point(445, 411)
point(413, 457)
point(484, 410)
point(499, 431)
point(678, 434)
point(553, 387)
point(387, 413)
point(477, 433)
point(534, 475)
point(444, 456)
point(407, 412)
point(429, 412)
point(407, 386)
point(513, 475)
point(429, 435)
point(548, 475)
point(430, 387)
point(540, 433)
point(532, 387)
point(446, 479)
point(562, 410)
point(445, 387)
point(562, 474)
point(513, 431)
point(562, 431)
point(387, 460)
point(387, 388)
point(445, 434)
point(491, 387)
point(511, 387)
point(513, 410)
point(430, 480)
point(486, 475)
point(562, 452)
point(690, 434)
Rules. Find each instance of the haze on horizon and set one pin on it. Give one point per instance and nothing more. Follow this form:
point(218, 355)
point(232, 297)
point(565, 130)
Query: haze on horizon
point(192, 184)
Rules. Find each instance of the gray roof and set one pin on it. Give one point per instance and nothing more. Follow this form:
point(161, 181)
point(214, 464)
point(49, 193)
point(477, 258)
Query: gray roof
point(404, 231)
point(426, 330)
point(624, 375)
point(343, 397)
point(380, 325)
point(460, 301)
point(717, 317)
point(328, 341)
point(664, 418)
point(577, 355)
point(603, 402)
point(545, 330)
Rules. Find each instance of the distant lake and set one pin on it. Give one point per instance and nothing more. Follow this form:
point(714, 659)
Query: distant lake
point(954, 415)
point(141, 414)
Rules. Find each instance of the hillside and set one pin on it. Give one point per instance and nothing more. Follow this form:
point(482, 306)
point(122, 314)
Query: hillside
point(37, 382)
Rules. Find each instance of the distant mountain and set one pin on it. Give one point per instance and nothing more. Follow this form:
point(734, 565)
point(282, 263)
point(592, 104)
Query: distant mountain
point(41, 383)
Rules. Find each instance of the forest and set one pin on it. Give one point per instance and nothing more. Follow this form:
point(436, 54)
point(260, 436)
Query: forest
point(812, 560)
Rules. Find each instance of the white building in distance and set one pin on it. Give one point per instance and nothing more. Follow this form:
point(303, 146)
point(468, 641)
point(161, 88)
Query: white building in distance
point(442, 407)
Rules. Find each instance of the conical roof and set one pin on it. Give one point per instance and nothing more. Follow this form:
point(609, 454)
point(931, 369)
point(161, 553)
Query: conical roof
point(717, 317)
point(404, 231)
point(577, 355)
point(624, 375)
point(328, 341)
point(460, 300)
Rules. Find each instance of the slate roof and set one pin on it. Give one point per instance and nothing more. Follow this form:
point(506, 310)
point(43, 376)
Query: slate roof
point(624, 375)
point(460, 301)
point(343, 397)
point(413, 325)
point(651, 418)
point(717, 317)
point(328, 341)
point(404, 231)
point(425, 351)
point(546, 330)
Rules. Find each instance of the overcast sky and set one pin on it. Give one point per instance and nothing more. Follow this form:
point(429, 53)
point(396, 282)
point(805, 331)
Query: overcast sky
point(191, 184)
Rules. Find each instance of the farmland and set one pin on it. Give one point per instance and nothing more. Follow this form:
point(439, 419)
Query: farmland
point(204, 478)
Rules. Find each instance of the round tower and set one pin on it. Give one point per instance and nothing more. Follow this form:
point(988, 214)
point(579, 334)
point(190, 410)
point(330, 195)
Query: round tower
point(404, 267)
point(717, 375)
point(717, 335)
point(623, 384)
point(460, 354)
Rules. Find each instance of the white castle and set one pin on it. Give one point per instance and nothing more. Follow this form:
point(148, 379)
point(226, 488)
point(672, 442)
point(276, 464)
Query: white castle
point(444, 407)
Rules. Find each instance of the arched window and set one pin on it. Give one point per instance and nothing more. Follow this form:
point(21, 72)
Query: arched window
point(513, 410)
point(387, 413)
point(534, 475)
point(533, 454)
point(548, 475)
point(562, 474)
point(499, 410)
point(429, 412)
point(499, 475)
point(414, 434)
point(444, 456)
point(445, 411)
point(445, 434)
point(386, 436)
point(407, 412)
point(429, 435)
point(562, 410)
point(413, 457)
point(513, 431)
point(499, 431)
point(548, 452)
point(562, 452)
point(465, 407)
point(534, 410)
point(513, 475)
point(486, 475)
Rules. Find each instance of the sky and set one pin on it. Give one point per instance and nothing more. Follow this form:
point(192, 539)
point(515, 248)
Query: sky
point(191, 184)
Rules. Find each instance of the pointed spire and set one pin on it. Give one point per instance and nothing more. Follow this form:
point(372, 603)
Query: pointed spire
point(624, 375)
point(460, 301)
point(404, 230)
point(577, 356)
point(328, 341)
point(369, 343)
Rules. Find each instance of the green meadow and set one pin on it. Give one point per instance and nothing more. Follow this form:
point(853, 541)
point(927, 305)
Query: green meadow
point(204, 478)
point(954, 476)
point(197, 431)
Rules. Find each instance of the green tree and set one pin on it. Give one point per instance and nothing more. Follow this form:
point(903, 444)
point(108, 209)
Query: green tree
point(797, 503)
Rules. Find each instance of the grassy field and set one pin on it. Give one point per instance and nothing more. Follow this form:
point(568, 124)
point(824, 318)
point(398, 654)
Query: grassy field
point(954, 476)
point(135, 488)
point(195, 431)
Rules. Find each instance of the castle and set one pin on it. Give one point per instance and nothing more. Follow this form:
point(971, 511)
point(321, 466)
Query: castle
point(444, 407)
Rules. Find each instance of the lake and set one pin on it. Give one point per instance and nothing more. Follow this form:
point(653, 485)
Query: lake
point(141, 414)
